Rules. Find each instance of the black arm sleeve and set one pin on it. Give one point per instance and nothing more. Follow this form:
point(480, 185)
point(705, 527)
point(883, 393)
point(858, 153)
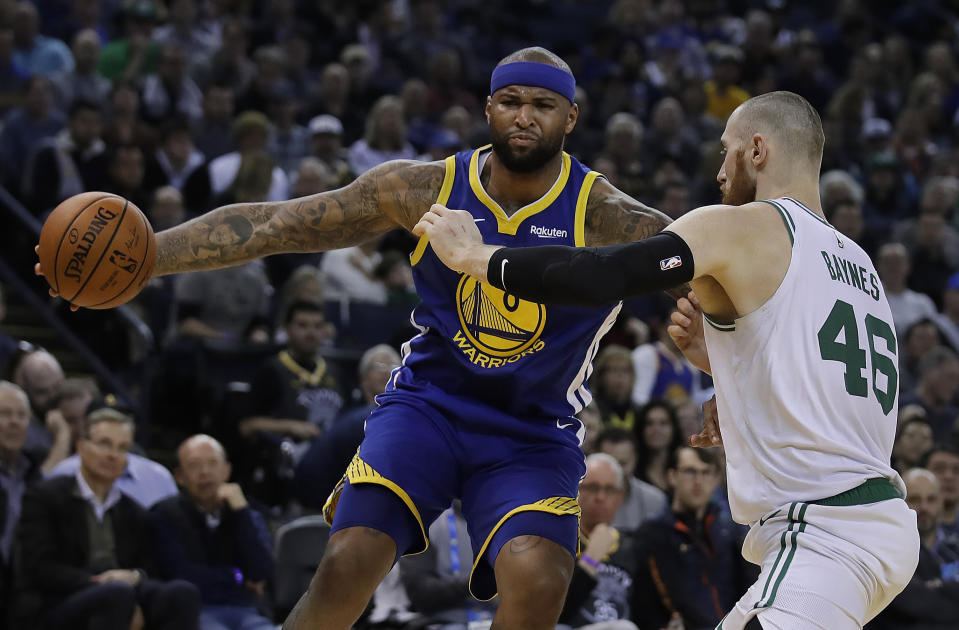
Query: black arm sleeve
point(592, 276)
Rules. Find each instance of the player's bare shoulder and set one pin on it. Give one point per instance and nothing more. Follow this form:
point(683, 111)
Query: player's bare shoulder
point(406, 189)
point(613, 217)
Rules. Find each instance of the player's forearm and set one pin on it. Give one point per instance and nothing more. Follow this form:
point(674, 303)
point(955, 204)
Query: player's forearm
point(230, 235)
point(591, 276)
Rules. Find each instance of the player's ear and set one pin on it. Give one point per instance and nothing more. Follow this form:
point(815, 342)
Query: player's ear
point(759, 151)
point(572, 117)
point(489, 108)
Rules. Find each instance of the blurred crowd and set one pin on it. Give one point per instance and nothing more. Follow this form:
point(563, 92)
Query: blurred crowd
point(254, 384)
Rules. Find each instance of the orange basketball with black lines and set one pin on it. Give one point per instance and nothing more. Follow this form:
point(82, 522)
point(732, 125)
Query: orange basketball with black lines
point(97, 250)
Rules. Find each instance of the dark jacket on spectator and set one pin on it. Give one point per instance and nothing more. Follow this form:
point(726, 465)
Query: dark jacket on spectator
point(691, 567)
point(927, 602)
point(54, 540)
point(209, 557)
point(609, 595)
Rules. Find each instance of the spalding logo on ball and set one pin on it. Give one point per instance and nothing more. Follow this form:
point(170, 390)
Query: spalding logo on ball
point(97, 250)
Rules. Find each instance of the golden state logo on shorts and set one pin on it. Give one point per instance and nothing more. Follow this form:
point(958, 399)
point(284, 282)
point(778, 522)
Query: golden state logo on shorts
point(496, 328)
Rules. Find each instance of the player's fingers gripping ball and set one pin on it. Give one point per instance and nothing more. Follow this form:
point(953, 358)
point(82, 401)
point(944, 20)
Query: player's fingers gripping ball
point(97, 250)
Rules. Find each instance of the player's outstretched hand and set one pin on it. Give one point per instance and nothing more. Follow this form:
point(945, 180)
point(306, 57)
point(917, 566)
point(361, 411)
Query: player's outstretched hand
point(710, 435)
point(687, 331)
point(453, 235)
point(37, 269)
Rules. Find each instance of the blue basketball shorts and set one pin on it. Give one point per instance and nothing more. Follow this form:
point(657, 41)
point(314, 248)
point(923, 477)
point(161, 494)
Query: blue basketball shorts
point(427, 448)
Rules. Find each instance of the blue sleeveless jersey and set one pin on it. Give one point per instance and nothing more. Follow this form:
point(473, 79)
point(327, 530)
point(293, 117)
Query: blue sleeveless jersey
point(529, 360)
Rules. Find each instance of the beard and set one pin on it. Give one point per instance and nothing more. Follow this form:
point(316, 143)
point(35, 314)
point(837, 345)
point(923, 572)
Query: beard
point(530, 160)
point(740, 189)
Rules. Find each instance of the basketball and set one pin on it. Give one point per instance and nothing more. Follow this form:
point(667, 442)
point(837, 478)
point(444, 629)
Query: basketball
point(97, 250)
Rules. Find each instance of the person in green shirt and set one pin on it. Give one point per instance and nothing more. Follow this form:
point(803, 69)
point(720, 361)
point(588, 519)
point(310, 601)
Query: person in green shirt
point(134, 55)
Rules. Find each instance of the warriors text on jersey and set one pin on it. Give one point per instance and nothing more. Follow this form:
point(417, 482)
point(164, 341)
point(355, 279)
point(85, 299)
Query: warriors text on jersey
point(807, 384)
point(527, 359)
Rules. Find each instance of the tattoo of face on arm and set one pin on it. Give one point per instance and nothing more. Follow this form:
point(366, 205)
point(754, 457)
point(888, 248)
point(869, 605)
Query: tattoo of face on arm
point(394, 194)
point(614, 217)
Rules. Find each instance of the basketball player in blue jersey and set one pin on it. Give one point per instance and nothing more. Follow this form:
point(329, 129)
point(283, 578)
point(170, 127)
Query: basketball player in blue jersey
point(802, 350)
point(482, 408)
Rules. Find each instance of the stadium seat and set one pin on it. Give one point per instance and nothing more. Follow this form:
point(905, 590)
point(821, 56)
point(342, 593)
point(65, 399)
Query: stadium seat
point(299, 546)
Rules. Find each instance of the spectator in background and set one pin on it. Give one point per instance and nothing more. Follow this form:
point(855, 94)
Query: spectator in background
point(807, 74)
point(9, 347)
point(134, 55)
point(230, 304)
point(395, 273)
point(623, 140)
point(937, 390)
point(933, 243)
point(183, 31)
point(446, 84)
point(289, 142)
point(350, 273)
point(175, 159)
point(913, 442)
point(612, 385)
point(689, 559)
point(39, 375)
point(326, 133)
point(91, 558)
point(210, 186)
point(919, 339)
point(230, 66)
point(907, 305)
point(214, 131)
point(928, 602)
point(12, 76)
point(312, 176)
point(82, 82)
point(334, 100)
point(37, 54)
point(948, 319)
point(657, 433)
point(601, 589)
point(270, 72)
point(17, 472)
point(846, 216)
point(25, 127)
point(888, 198)
point(296, 393)
point(141, 479)
point(322, 466)
point(384, 138)
point(74, 398)
point(69, 163)
point(662, 372)
point(437, 580)
point(642, 501)
point(669, 138)
point(124, 125)
point(943, 462)
point(294, 397)
point(209, 536)
point(170, 91)
point(723, 93)
point(305, 284)
point(126, 172)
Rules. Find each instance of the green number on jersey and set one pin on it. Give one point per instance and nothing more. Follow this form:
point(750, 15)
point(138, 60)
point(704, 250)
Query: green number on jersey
point(842, 319)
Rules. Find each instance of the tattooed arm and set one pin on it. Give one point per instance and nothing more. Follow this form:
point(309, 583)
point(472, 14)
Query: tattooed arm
point(614, 217)
point(392, 195)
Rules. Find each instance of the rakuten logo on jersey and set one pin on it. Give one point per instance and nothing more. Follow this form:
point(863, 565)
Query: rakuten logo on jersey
point(547, 232)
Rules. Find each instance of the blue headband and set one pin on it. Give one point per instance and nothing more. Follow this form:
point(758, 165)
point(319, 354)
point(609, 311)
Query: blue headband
point(536, 75)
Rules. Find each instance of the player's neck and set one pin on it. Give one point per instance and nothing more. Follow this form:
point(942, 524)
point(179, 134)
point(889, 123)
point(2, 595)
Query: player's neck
point(802, 189)
point(512, 190)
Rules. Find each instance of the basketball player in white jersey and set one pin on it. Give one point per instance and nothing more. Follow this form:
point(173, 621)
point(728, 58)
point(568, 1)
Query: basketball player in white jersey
point(802, 350)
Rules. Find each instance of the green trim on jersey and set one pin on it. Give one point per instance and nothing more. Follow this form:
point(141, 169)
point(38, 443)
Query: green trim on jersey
point(719, 325)
point(806, 208)
point(787, 219)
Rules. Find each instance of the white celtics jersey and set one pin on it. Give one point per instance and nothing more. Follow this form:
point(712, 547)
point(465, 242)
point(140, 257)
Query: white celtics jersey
point(807, 385)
